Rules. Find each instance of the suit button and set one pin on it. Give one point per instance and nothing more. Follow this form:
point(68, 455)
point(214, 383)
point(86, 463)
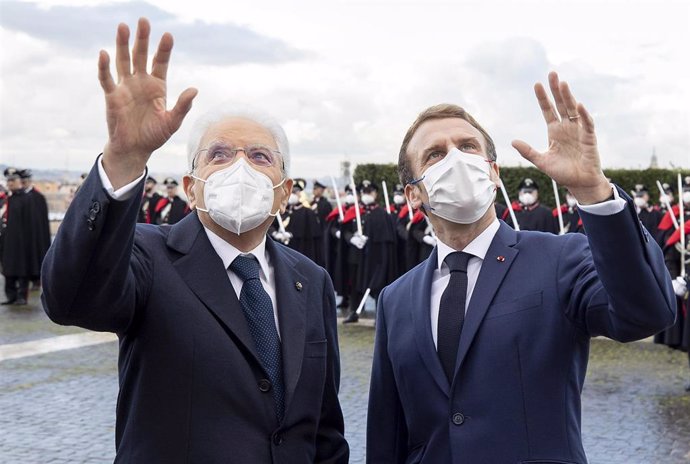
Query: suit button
point(91, 224)
point(96, 207)
point(278, 439)
point(92, 215)
point(264, 385)
point(458, 418)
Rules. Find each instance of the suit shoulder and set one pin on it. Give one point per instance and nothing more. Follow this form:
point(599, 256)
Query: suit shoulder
point(302, 261)
point(548, 242)
point(149, 234)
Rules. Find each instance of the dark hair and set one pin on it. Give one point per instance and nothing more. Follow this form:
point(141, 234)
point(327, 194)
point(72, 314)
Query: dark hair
point(442, 111)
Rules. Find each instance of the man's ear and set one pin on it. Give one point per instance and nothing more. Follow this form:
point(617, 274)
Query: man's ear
point(188, 184)
point(286, 190)
point(413, 195)
point(495, 174)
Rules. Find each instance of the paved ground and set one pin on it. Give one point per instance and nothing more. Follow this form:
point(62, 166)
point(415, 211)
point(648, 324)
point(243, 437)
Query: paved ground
point(59, 407)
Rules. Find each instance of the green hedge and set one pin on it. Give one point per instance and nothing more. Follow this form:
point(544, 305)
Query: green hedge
point(512, 176)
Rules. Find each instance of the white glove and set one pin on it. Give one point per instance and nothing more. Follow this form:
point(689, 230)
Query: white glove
point(337, 234)
point(276, 234)
point(680, 286)
point(359, 240)
point(287, 235)
point(429, 240)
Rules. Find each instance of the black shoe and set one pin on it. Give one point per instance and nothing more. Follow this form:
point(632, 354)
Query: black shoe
point(8, 302)
point(344, 303)
point(353, 317)
point(20, 302)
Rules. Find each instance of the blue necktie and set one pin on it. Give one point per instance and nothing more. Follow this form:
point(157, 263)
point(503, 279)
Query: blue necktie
point(258, 310)
point(451, 314)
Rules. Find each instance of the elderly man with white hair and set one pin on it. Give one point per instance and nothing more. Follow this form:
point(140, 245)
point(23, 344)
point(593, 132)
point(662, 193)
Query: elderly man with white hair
point(228, 341)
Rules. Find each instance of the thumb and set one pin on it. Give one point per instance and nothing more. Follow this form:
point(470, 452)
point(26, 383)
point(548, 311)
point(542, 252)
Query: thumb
point(182, 107)
point(527, 152)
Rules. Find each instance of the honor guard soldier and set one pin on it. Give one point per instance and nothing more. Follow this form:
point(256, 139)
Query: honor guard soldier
point(344, 268)
point(649, 215)
point(149, 200)
point(571, 216)
point(530, 214)
point(170, 209)
point(302, 230)
point(319, 204)
point(677, 336)
point(38, 232)
point(378, 265)
point(15, 264)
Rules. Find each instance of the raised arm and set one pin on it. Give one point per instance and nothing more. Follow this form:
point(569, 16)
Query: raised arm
point(136, 110)
point(95, 274)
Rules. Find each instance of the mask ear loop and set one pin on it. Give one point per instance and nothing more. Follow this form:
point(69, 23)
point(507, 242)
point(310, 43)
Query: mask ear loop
point(425, 206)
point(198, 208)
point(275, 187)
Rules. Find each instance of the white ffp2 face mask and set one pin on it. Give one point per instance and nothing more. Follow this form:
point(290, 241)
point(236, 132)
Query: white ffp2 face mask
point(459, 186)
point(527, 199)
point(238, 198)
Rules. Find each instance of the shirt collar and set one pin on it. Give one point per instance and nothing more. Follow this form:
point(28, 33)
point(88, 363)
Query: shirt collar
point(477, 247)
point(228, 253)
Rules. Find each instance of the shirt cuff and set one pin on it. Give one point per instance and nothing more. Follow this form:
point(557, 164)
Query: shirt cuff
point(123, 193)
point(605, 208)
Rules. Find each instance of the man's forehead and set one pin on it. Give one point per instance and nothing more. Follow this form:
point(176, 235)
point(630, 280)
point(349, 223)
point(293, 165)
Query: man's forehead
point(439, 131)
point(239, 131)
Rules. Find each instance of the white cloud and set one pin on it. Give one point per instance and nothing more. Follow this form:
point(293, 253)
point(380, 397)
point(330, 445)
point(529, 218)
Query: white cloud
point(347, 78)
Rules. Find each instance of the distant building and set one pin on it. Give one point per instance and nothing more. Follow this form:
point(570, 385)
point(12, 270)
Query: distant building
point(654, 163)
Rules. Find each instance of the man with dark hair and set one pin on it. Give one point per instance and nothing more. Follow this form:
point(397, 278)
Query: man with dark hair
point(481, 351)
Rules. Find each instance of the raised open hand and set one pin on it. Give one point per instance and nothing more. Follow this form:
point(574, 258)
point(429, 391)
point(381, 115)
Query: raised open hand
point(136, 111)
point(572, 158)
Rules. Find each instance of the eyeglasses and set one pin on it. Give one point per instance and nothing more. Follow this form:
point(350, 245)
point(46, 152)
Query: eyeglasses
point(219, 153)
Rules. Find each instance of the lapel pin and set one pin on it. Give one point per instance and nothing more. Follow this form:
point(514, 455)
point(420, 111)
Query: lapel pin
point(500, 259)
point(298, 286)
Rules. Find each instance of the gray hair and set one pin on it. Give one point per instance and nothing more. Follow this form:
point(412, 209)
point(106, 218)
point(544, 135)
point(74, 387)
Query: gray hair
point(229, 111)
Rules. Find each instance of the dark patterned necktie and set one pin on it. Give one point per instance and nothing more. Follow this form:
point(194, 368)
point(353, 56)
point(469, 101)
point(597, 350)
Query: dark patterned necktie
point(451, 314)
point(258, 310)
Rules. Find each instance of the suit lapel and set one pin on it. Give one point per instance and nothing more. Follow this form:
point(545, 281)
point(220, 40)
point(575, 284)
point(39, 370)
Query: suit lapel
point(291, 299)
point(497, 262)
point(420, 296)
point(203, 271)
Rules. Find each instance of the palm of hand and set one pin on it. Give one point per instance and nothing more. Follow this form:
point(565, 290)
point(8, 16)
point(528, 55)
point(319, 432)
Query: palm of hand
point(572, 158)
point(137, 116)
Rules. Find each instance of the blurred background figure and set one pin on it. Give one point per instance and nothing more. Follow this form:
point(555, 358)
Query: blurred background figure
point(149, 200)
point(25, 236)
point(170, 209)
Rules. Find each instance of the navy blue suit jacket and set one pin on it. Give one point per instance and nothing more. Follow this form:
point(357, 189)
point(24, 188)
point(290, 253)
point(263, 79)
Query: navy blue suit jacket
point(522, 356)
point(192, 389)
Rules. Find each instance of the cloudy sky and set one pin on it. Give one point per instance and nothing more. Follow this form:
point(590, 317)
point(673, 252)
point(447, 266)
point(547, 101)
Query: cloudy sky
point(346, 78)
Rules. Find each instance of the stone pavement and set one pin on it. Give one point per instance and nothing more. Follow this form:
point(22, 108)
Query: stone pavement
point(60, 407)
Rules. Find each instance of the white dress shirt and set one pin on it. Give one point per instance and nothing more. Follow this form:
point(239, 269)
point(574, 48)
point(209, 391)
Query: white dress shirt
point(478, 248)
point(228, 253)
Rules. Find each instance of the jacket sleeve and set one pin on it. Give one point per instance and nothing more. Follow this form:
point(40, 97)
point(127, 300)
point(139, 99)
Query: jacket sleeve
point(386, 426)
point(331, 446)
point(93, 274)
point(615, 283)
